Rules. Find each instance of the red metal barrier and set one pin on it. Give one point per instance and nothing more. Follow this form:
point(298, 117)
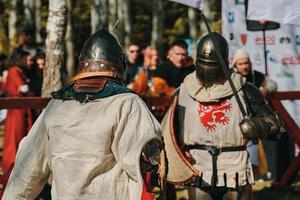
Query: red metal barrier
point(159, 105)
point(292, 129)
point(23, 102)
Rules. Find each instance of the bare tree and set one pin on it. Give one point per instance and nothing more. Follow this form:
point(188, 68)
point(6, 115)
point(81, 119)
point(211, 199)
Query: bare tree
point(99, 14)
point(29, 11)
point(12, 24)
point(207, 13)
point(113, 16)
point(157, 25)
point(127, 22)
point(37, 20)
point(193, 29)
point(69, 41)
point(119, 29)
point(56, 27)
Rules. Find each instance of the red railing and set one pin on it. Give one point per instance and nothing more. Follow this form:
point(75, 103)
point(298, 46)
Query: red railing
point(158, 106)
point(291, 128)
point(23, 102)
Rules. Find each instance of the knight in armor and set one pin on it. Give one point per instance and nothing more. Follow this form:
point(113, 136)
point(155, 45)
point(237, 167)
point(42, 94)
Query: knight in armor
point(95, 138)
point(205, 132)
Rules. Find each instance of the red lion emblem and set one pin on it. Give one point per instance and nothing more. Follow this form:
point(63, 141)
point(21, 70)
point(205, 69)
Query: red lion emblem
point(213, 113)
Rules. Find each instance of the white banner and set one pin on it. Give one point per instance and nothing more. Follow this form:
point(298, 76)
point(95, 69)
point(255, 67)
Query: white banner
point(283, 46)
point(191, 3)
point(282, 11)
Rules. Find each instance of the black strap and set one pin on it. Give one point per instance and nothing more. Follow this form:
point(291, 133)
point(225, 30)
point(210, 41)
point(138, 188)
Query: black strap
point(214, 152)
point(213, 149)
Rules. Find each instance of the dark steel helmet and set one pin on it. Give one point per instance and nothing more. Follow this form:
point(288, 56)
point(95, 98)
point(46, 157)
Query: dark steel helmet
point(101, 55)
point(208, 69)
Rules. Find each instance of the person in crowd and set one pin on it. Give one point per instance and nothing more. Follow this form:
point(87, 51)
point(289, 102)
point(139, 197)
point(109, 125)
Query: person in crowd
point(170, 74)
point(18, 121)
point(36, 74)
point(209, 128)
point(3, 72)
point(3, 58)
point(142, 83)
point(95, 138)
point(28, 43)
point(42, 45)
point(134, 61)
point(243, 65)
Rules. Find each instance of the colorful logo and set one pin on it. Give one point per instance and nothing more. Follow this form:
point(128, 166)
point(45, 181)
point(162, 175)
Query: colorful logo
point(232, 41)
point(258, 59)
point(239, 2)
point(285, 40)
point(297, 40)
point(273, 59)
point(291, 60)
point(212, 114)
point(231, 17)
point(231, 36)
point(285, 73)
point(270, 40)
point(243, 38)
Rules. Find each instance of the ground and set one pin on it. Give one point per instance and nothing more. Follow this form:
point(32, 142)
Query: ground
point(263, 190)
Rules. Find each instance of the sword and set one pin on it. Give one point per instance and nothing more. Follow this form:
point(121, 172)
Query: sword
point(225, 69)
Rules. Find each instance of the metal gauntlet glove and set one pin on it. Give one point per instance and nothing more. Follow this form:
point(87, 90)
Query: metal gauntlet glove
point(260, 127)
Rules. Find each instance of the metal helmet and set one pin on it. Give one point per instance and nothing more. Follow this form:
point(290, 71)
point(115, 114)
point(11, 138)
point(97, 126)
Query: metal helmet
point(101, 55)
point(208, 68)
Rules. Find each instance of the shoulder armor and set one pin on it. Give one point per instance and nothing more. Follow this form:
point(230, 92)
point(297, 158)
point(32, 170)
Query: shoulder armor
point(255, 101)
point(253, 94)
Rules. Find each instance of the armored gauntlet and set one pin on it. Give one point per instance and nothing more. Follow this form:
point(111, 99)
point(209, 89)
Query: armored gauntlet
point(150, 161)
point(263, 121)
point(260, 127)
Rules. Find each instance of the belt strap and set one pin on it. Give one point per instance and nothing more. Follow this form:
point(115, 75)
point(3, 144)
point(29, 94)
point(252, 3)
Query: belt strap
point(214, 152)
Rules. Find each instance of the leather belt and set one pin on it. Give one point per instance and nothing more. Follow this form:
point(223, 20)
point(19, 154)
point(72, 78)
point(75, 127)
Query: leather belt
point(214, 152)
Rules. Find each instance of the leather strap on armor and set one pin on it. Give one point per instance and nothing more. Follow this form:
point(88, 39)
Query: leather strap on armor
point(111, 74)
point(214, 152)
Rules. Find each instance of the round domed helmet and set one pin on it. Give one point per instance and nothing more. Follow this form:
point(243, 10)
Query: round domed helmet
point(103, 56)
point(208, 68)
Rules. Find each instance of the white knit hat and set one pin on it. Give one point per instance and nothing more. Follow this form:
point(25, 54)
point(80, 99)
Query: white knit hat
point(240, 53)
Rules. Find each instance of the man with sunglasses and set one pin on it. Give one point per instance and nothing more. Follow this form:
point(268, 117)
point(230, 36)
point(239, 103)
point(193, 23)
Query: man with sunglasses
point(134, 61)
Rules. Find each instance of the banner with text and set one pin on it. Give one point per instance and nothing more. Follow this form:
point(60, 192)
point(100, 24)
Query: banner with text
point(283, 47)
point(282, 11)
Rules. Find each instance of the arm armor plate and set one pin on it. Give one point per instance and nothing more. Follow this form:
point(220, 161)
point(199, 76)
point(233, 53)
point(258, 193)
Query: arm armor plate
point(263, 122)
point(150, 160)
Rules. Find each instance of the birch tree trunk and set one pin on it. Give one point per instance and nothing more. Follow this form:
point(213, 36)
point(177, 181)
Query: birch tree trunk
point(12, 24)
point(127, 23)
point(112, 13)
point(56, 27)
point(29, 12)
point(69, 41)
point(119, 29)
point(98, 14)
point(207, 13)
point(193, 30)
point(157, 25)
point(37, 20)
